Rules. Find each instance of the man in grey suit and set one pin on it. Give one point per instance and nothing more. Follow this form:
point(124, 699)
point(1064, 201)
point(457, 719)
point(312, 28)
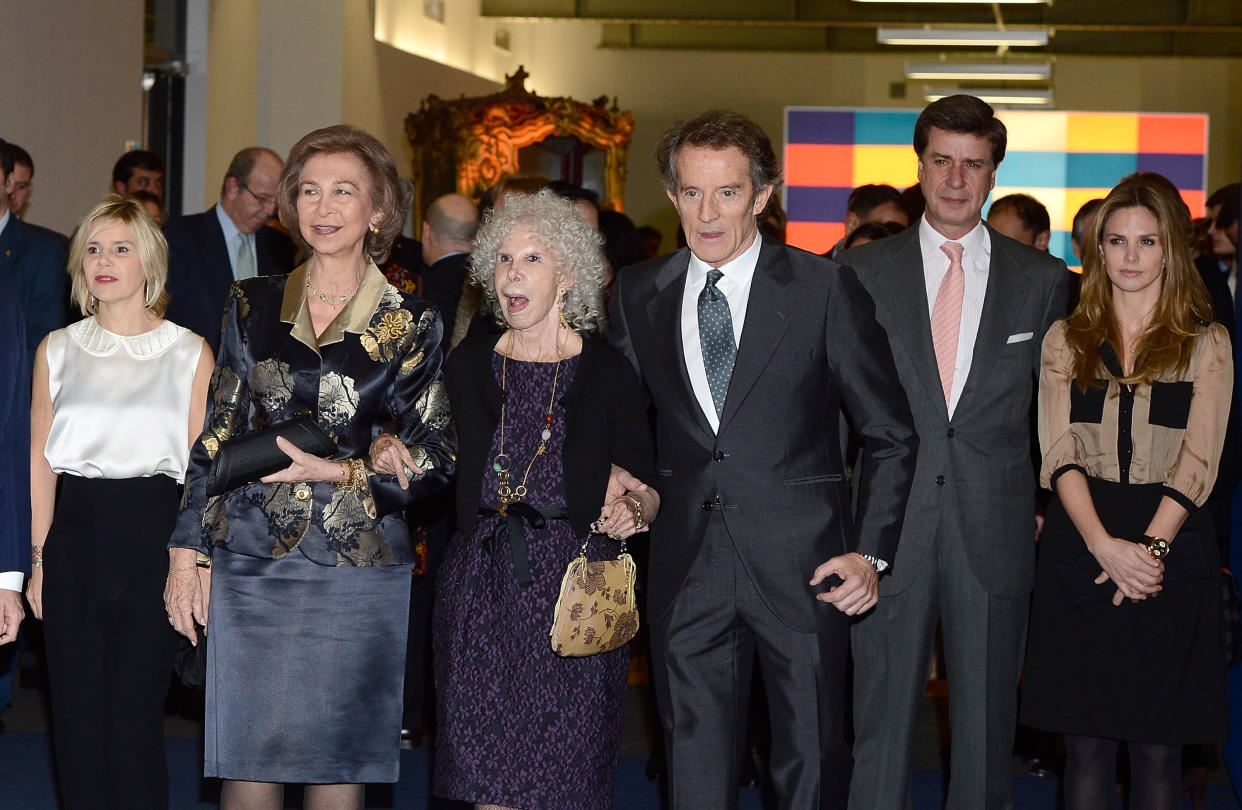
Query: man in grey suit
point(965, 309)
point(748, 349)
point(228, 242)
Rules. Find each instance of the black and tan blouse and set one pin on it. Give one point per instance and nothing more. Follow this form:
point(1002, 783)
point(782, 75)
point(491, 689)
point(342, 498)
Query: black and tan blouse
point(1169, 432)
point(376, 367)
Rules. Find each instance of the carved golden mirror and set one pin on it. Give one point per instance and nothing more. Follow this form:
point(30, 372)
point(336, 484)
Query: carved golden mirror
point(468, 144)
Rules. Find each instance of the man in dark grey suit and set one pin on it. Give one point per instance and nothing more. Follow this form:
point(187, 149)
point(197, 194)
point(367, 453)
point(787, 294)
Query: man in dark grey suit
point(748, 349)
point(448, 228)
point(32, 265)
point(230, 241)
point(967, 552)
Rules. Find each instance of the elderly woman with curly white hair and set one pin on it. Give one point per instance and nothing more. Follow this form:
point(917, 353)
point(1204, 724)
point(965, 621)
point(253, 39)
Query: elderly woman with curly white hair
point(543, 411)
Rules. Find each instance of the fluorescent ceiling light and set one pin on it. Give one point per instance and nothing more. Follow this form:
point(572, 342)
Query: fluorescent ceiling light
point(951, 37)
point(1025, 98)
point(979, 71)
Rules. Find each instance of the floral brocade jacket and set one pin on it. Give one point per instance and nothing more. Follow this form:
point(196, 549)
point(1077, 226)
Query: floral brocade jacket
point(375, 368)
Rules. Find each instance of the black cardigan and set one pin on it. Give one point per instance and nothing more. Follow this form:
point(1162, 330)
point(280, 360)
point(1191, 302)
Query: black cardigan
point(606, 422)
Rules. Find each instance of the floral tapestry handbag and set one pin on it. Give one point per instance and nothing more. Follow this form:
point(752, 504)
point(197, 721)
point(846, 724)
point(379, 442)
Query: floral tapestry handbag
point(596, 611)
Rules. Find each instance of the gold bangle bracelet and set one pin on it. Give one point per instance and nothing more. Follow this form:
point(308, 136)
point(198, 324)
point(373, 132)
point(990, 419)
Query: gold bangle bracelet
point(172, 571)
point(638, 510)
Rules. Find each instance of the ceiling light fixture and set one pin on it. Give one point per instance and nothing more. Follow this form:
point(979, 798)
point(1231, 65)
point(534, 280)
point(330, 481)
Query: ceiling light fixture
point(983, 72)
point(1024, 98)
point(963, 37)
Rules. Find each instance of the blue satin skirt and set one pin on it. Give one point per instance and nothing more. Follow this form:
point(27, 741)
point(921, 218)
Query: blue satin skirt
point(305, 669)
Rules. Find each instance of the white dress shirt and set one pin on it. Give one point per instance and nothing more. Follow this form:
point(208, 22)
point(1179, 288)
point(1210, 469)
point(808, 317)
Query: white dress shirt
point(976, 260)
point(735, 284)
point(231, 232)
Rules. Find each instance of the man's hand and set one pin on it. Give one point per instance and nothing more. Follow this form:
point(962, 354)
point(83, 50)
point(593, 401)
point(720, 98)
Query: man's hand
point(620, 482)
point(11, 614)
point(860, 586)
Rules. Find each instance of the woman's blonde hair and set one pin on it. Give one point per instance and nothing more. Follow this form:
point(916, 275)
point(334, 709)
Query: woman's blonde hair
point(152, 250)
point(572, 243)
point(1183, 311)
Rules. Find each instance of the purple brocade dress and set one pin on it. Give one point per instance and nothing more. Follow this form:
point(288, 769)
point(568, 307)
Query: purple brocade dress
point(518, 725)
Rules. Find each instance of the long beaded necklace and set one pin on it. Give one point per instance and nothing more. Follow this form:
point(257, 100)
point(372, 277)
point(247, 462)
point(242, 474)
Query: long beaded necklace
point(501, 462)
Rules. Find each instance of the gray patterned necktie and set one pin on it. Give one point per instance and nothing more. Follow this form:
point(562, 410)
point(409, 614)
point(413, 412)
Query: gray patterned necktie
point(244, 266)
point(716, 338)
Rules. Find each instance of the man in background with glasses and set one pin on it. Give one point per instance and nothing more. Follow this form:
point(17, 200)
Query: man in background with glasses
point(231, 241)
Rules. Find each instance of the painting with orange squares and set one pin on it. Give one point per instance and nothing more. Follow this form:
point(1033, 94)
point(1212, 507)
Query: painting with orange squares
point(1061, 158)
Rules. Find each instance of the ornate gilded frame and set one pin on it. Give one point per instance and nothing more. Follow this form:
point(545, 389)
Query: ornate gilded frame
point(468, 144)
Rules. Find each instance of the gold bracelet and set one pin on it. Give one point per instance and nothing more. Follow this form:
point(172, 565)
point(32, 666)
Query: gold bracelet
point(36, 556)
point(172, 571)
point(638, 510)
point(355, 479)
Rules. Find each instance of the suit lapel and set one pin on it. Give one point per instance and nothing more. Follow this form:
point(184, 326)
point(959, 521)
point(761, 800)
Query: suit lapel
point(1006, 292)
point(219, 265)
point(664, 311)
point(10, 238)
point(907, 298)
point(768, 312)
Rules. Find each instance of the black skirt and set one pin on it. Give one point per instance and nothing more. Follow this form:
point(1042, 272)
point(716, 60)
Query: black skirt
point(1148, 672)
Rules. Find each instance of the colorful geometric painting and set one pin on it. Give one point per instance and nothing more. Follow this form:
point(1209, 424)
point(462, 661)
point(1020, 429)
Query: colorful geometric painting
point(1063, 159)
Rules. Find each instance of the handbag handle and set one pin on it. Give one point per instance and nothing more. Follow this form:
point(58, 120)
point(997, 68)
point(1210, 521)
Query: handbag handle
point(595, 530)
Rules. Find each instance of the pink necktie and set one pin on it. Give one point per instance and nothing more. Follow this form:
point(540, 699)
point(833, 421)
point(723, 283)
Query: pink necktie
point(946, 318)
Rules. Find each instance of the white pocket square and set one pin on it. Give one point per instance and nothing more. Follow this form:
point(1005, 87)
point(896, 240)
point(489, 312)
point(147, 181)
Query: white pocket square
point(1021, 336)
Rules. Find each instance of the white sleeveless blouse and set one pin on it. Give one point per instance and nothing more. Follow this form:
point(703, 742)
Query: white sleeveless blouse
point(121, 405)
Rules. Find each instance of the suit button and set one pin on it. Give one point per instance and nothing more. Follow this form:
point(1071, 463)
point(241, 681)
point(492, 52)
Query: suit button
point(940, 480)
point(952, 433)
point(709, 506)
point(302, 492)
point(718, 455)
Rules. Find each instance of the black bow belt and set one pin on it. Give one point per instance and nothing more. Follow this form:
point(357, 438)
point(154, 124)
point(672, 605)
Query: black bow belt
point(512, 529)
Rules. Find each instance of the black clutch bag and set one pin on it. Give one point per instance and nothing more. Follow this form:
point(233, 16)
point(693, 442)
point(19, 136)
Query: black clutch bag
point(248, 458)
point(191, 661)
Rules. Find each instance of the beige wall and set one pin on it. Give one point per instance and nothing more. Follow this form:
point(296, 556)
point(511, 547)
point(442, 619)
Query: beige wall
point(72, 97)
point(385, 85)
point(270, 83)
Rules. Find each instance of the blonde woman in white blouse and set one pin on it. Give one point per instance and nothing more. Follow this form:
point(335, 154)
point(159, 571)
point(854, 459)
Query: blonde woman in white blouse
point(117, 399)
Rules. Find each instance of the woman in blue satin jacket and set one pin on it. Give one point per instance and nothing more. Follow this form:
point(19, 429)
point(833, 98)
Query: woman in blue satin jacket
point(311, 566)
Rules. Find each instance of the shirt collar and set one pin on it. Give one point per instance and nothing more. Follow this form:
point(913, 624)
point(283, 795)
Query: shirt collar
point(738, 271)
point(230, 230)
point(976, 246)
point(4, 219)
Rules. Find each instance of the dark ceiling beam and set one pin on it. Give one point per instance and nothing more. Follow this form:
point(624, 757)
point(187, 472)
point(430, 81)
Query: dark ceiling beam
point(1161, 28)
point(1184, 16)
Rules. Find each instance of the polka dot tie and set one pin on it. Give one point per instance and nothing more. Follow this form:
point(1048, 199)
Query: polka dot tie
point(716, 338)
